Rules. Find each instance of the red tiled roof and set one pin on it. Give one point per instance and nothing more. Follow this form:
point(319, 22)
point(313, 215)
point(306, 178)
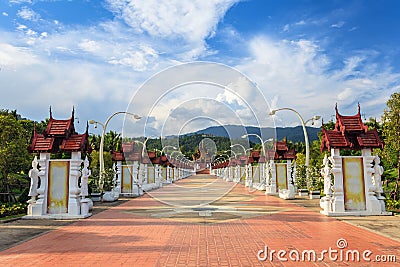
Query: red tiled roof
point(135, 156)
point(118, 156)
point(255, 153)
point(151, 154)
point(58, 127)
point(370, 139)
point(349, 123)
point(41, 144)
point(335, 138)
point(127, 147)
point(281, 146)
point(349, 133)
point(59, 135)
point(290, 154)
point(76, 142)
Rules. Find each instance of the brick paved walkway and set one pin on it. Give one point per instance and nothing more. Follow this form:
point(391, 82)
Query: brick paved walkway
point(228, 230)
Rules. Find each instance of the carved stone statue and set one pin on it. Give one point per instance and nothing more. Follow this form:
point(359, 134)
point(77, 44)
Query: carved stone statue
point(84, 178)
point(326, 173)
point(34, 175)
point(378, 171)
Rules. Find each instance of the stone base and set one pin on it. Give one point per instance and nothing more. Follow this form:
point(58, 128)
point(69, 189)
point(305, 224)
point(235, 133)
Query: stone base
point(286, 194)
point(303, 192)
point(356, 213)
point(56, 216)
point(149, 187)
point(315, 194)
point(95, 197)
point(271, 191)
point(109, 196)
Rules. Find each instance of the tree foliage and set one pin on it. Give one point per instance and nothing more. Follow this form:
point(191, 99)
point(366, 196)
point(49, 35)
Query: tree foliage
point(14, 157)
point(391, 135)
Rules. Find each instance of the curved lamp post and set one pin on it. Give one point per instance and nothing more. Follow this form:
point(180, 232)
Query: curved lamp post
point(244, 149)
point(262, 142)
point(101, 150)
point(226, 151)
point(303, 124)
point(162, 150)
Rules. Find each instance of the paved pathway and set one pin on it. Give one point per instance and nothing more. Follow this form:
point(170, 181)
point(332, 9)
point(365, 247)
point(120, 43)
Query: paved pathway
point(169, 228)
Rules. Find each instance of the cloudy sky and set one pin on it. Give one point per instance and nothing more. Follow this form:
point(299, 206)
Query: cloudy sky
point(99, 56)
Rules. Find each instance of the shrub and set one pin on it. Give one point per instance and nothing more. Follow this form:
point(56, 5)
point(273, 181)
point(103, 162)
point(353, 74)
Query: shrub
point(12, 209)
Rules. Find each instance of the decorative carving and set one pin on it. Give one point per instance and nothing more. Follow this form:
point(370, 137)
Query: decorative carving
point(326, 173)
point(84, 178)
point(34, 175)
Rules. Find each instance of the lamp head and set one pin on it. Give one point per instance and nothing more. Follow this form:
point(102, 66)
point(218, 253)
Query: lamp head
point(92, 121)
point(272, 112)
point(244, 136)
point(316, 117)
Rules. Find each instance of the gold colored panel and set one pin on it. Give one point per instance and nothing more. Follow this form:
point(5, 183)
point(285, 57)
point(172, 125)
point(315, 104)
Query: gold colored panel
point(151, 175)
point(58, 187)
point(126, 179)
point(353, 184)
point(281, 176)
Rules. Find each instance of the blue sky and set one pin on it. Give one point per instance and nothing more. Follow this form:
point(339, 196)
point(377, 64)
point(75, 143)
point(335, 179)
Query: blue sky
point(95, 55)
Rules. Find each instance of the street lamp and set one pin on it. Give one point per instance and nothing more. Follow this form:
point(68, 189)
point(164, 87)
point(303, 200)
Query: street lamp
point(244, 149)
point(162, 150)
point(101, 157)
point(262, 142)
point(226, 151)
point(143, 144)
point(303, 124)
point(315, 118)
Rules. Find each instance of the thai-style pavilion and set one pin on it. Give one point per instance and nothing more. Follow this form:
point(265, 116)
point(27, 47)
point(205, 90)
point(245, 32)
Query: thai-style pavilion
point(356, 188)
point(63, 182)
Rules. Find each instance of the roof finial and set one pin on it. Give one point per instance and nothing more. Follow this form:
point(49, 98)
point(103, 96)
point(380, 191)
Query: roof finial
point(359, 108)
point(73, 113)
point(51, 113)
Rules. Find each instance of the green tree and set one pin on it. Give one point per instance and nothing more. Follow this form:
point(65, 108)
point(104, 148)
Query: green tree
point(391, 135)
point(14, 156)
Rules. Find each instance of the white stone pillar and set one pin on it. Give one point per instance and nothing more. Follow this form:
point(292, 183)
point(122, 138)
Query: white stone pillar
point(74, 205)
point(337, 171)
point(372, 202)
point(271, 189)
point(40, 207)
point(118, 173)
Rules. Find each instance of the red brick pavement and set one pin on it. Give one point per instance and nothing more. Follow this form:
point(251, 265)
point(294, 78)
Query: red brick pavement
point(122, 237)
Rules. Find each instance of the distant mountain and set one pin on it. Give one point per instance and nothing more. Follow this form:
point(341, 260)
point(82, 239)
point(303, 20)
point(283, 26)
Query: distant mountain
point(294, 134)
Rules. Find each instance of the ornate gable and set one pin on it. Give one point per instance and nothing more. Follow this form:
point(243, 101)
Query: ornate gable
point(349, 133)
point(59, 136)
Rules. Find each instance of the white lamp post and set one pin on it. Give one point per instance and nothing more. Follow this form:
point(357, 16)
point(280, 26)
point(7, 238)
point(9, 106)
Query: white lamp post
point(101, 157)
point(244, 149)
point(303, 124)
point(262, 142)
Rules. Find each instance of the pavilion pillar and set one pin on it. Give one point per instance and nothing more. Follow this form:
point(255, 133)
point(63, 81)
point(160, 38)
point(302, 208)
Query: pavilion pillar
point(271, 188)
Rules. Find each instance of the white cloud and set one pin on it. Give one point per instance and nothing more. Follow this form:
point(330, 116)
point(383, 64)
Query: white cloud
point(89, 45)
point(189, 22)
point(28, 14)
point(298, 74)
point(20, 1)
point(286, 27)
point(338, 25)
point(5, 14)
point(12, 57)
point(301, 22)
point(345, 94)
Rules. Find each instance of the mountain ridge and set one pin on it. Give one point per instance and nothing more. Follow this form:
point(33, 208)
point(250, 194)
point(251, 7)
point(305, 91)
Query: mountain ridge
point(294, 134)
